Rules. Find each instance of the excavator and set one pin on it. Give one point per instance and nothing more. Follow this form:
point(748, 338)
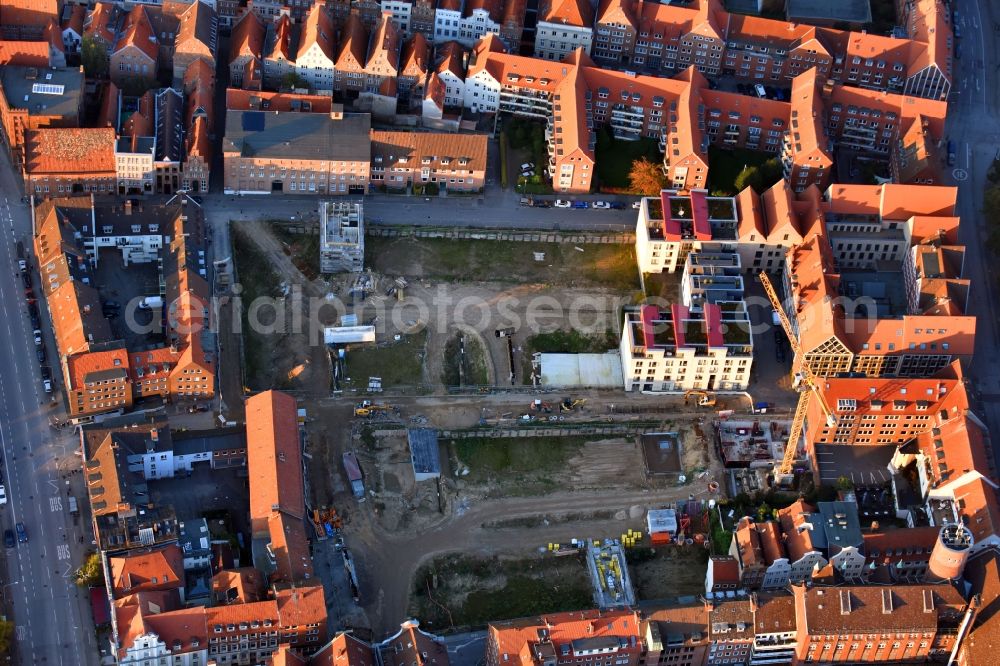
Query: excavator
point(569, 404)
point(807, 384)
point(367, 408)
point(705, 398)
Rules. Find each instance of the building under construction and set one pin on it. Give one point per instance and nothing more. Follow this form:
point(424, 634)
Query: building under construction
point(341, 237)
point(609, 574)
point(752, 443)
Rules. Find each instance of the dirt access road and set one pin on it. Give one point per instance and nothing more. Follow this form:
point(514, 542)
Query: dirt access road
point(392, 559)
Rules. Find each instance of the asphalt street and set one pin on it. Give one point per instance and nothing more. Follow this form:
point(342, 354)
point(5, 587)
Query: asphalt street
point(53, 623)
point(974, 125)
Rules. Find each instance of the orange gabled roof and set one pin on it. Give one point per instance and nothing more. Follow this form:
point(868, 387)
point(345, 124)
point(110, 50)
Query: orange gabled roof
point(780, 217)
point(199, 77)
point(317, 30)
point(290, 549)
point(578, 13)
point(778, 34)
point(620, 12)
point(301, 606)
point(572, 135)
point(353, 45)
point(238, 586)
point(955, 447)
point(808, 136)
point(435, 90)
point(24, 54)
point(943, 394)
point(247, 37)
point(160, 569)
point(748, 543)
point(516, 637)
point(36, 13)
point(80, 367)
point(929, 23)
point(139, 33)
point(101, 22)
point(282, 46)
point(797, 542)
point(274, 458)
point(980, 507)
point(450, 57)
point(74, 22)
point(344, 650)
point(751, 216)
point(247, 100)
point(385, 45)
point(904, 201)
point(913, 333)
point(493, 7)
point(415, 59)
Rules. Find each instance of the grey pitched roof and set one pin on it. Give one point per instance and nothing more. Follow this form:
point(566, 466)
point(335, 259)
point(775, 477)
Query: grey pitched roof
point(298, 135)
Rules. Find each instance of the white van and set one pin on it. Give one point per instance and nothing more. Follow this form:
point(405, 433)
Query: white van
point(151, 302)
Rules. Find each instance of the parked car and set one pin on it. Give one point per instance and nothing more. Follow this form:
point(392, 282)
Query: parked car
point(582, 205)
point(562, 203)
point(951, 153)
point(527, 174)
point(8, 538)
point(26, 278)
point(40, 352)
point(3, 495)
point(636, 205)
point(38, 337)
point(760, 90)
point(46, 372)
point(112, 305)
point(527, 166)
point(22, 534)
point(47, 385)
point(617, 205)
point(601, 205)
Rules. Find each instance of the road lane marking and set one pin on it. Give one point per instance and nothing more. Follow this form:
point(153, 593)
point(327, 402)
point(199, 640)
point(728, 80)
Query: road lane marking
point(55, 503)
point(20, 632)
point(63, 551)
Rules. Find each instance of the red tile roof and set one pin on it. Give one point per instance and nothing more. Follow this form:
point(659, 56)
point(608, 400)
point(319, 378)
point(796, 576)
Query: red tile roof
point(161, 569)
point(138, 32)
point(70, 150)
point(80, 366)
point(274, 458)
point(23, 54)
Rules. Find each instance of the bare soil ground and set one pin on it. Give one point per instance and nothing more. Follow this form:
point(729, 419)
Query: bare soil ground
point(672, 571)
point(463, 591)
point(287, 355)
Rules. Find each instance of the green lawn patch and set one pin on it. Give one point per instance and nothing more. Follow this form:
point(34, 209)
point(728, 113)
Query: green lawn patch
point(604, 265)
point(572, 342)
point(473, 366)
point(487, 458)
point(464, 592)
point(301, 248)
point(258, 280)
point(398, 364)
point(725, 165)
point(615, 157)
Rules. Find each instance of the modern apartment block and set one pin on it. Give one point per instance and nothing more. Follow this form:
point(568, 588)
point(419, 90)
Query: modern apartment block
point(341, 236)
point(675, 225)
point(679, 349)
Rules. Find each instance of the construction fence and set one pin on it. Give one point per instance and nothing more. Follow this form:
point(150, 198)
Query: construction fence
point(578, 238)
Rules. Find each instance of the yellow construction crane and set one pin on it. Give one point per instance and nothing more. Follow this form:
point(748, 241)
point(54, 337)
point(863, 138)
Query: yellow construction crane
point(807, 385)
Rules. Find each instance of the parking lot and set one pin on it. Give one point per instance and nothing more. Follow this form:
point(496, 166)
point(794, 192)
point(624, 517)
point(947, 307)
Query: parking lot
point(122, 284)
point(207, 490)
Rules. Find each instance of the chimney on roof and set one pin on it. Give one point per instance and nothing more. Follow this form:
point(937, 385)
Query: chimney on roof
point(128, 206)
point(337, 112)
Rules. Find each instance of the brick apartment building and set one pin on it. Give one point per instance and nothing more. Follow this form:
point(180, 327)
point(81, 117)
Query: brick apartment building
point(99, 373)
point(669, 38)
point(254, 613)
point(297, 152)
point(33, 97)
point(62, 161)
point(451, 161)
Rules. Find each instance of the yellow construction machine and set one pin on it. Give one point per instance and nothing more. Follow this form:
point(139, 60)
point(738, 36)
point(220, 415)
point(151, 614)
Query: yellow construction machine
point(705, 398)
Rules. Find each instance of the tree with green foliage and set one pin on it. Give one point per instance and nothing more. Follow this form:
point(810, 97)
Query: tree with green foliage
point(94, 58)
point(6, 631)
point(844, 483)
point(90, 573)
point(646, 177)
point(293, 80)
point(749, 177)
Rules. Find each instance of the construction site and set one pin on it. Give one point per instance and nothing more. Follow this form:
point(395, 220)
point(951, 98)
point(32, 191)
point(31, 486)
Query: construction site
point(414, 459)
